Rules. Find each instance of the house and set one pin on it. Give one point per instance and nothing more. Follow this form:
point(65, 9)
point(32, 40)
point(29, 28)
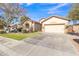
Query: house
point(76, 28)
point(54, 24)
point(31, 26)
point(73, 26)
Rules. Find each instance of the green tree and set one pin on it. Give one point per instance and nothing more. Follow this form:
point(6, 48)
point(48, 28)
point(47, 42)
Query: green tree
point(74, 12)
point(24, 18)
point(2, 21)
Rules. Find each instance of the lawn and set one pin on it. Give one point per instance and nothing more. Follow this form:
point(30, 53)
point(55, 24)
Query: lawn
point(19, 36)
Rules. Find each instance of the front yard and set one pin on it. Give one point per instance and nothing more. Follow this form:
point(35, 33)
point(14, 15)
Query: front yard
point(19, 36)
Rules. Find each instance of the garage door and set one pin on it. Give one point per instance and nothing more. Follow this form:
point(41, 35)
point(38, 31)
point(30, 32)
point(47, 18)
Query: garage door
point(54, 28)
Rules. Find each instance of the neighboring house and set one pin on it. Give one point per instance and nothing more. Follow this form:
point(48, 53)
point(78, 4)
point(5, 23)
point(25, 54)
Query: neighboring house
point(30, 25)
point(76, 28)
point(54, 24)
point(69, 29)
point(73, 26)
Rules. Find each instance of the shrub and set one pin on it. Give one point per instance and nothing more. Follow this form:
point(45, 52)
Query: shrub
point(19, 29)
point(23, 30)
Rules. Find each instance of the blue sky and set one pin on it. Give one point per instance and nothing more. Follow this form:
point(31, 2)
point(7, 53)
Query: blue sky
point(36, 11)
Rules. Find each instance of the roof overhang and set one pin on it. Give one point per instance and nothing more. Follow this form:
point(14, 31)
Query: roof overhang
point(43, 20)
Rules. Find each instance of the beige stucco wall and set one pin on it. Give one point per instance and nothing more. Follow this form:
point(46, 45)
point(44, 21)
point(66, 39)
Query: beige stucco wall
point(54, 20)
point(33, 26)
point(30, 25)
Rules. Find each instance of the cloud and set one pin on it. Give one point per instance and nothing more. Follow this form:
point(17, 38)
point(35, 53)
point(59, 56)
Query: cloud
point(58, 6)
point(28, 4)
point(55, 9)
point(55, 12)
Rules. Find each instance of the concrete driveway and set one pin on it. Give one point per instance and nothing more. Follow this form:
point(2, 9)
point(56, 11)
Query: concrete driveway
point(44, 45)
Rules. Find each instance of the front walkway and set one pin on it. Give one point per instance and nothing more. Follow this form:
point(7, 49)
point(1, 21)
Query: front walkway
point(46, 44)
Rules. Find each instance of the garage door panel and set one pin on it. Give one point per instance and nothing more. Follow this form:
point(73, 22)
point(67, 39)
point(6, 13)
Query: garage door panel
point(54, 28)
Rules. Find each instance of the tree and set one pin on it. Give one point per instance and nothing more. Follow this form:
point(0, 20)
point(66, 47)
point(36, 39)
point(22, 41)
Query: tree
point(11, 11)
point(2, 20)
point(24, 18)
point(74, 12)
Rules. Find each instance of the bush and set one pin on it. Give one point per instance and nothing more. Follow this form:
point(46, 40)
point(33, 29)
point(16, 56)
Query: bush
point(23, 31)
point(2, 31)
point(19, 29)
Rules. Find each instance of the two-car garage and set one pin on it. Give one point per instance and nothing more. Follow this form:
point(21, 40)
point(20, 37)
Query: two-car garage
point(56, 28)
point(54, 24)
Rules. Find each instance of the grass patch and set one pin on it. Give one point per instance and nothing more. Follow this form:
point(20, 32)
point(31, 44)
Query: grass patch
point(19, 36)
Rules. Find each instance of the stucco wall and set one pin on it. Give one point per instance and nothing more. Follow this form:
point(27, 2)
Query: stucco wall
point(54, 20)
point(33, 26)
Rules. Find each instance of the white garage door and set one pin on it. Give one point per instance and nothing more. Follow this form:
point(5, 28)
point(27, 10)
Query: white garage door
point(54, 28)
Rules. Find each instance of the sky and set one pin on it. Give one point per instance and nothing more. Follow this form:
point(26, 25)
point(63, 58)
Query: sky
point(37, 11)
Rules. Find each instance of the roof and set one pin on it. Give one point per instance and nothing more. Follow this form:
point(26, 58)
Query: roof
point(35, 21)
point(73, 22)
point(32, 21)
point(55, 17)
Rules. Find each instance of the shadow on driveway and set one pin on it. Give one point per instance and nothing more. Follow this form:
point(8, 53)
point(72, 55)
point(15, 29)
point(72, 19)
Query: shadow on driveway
point(76, 34)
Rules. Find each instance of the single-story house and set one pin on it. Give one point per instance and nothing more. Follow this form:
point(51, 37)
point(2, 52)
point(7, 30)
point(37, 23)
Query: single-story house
point(31, 26)
point(54, 24)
